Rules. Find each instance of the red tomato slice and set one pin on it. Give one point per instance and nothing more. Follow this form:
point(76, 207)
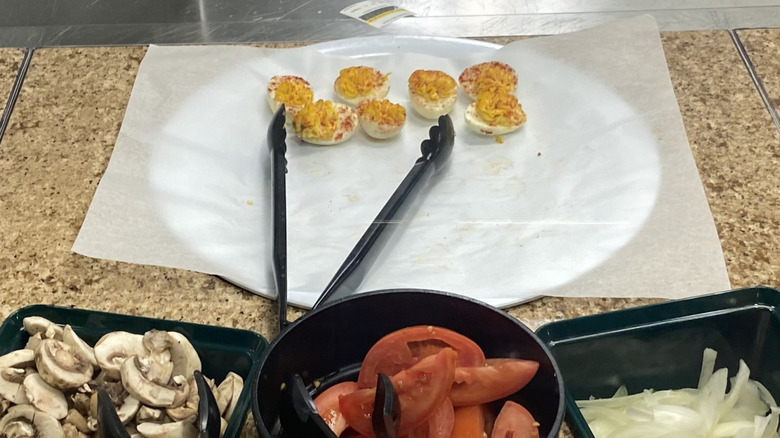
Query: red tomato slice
point(469, 422)
point(514, 421)
point(327, 404)
point(403, 348)
point(439, 425)
point(421, 389)
point(497, 379)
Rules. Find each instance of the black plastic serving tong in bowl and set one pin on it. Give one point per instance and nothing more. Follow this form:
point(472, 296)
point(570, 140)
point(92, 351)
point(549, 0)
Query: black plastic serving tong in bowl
point(297, 412)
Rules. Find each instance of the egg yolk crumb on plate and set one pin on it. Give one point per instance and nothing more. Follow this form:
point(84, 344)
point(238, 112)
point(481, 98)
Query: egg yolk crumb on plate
point(381, 118)
point(358, 83)
point(433, 93)
point(325, 123)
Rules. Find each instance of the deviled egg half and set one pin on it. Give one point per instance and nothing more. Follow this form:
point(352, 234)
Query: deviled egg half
point(381, 118)
point(359, 83)
point(495, 113)
point(325, 123)
point(488, 76)
point(292, 91)
point(432, 93)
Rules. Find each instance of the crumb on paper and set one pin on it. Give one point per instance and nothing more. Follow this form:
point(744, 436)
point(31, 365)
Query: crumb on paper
point(538, 154)
point(250, 202)
point(499, 139)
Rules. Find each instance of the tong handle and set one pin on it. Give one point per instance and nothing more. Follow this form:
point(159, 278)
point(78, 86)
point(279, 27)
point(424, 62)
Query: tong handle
point(277, 148)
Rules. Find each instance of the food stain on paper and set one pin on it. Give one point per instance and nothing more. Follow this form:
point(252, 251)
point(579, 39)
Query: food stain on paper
point(495, 167)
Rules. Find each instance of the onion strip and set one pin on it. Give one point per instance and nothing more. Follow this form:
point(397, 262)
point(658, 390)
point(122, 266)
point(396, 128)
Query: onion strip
point(747, 410)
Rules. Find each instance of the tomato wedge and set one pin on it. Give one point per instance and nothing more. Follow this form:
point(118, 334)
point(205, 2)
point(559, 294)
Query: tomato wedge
point(469, 422)
point(421, 389)
point(514, 421)
point(497, 379)
point(403, 348)
point(327, 403)
point(439, 424)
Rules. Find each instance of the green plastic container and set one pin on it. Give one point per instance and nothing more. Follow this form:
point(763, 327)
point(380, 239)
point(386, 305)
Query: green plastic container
point(221, 349)
point(660, 346)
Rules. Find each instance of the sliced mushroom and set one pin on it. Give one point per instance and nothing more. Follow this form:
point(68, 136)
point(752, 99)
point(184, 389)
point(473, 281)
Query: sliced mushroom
point(25, 420)
point(149, 415)
point(71, 431)
point(4, 405)
point(33, 342)
point(18, 359)
point(45, 397)
point(150, 393)
point(189, 410)
point(128, 409)
point(112, 349)
point(11, 385)
point(179, 429)
point(77, 420)
point(60, 367)
point(81, 348)
point(39, 324)
point(230, 389)
point(183, 355)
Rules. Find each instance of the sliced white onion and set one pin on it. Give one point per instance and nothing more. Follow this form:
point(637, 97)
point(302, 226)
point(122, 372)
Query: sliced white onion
point(747, 410)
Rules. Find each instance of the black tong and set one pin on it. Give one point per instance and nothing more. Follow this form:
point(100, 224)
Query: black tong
point(297, 412)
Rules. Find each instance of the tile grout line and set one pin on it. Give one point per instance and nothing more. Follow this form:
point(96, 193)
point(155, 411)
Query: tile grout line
point(759, 84)
point(5, 118)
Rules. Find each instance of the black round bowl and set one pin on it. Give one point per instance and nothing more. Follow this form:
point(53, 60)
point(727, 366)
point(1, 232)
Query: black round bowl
point(329, 342)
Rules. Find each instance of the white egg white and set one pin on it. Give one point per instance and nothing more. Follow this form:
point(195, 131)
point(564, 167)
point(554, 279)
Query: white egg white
point(432, 109)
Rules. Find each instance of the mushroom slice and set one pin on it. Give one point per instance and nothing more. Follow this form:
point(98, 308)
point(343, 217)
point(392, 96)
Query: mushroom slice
point(18, 359)
point(147, 414)
point(189, 410)
point(25, 420)
point(179, 429)
point(39, 324)
point(60, 366)
point(150, 393)
point(80, 347)
point(230, 390)
point(71, 431)
point(45, 397)
point(33, 342)
point(113, 348)
point(77, 420)
point(128, 409)
point(11, 385)
point(185, 359)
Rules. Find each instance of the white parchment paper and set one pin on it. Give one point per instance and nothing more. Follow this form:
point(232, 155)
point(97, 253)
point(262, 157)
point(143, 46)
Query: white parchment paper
point(597, 195)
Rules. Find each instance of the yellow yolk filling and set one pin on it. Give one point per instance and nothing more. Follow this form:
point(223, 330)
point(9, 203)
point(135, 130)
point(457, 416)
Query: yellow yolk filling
point(432, 85)
point(357, 81)
point(500, 109)
point(383, 112)
point(494, 78)
point(317, 120)
point(293, 93)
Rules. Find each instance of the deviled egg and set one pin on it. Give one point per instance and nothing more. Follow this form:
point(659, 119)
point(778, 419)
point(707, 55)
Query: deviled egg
point(433, 93)
point(488, 76)
point(495, 113)
point(381, 118)
point(292, 91)
point(359, 83)
point(325, 123)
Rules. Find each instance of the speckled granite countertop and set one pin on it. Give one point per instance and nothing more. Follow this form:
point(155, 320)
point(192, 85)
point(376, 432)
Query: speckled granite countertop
point(10, 60)
point(66, 120)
